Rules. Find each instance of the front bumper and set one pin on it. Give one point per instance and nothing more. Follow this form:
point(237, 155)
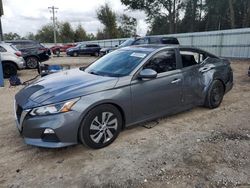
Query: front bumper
point(22, 65)
point(64, 125)
point(69, 53)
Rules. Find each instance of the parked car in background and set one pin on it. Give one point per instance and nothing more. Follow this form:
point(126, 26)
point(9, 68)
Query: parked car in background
point(33, 52)
point(12, 59)
point(61, 48)
point(127, 86)
point(84, 49)
point(142, 40)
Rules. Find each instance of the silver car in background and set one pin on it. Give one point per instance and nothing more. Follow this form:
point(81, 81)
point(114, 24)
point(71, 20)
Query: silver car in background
point(125, 87)
point(11, 58)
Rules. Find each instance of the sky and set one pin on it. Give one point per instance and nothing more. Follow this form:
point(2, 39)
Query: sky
point(24, 16)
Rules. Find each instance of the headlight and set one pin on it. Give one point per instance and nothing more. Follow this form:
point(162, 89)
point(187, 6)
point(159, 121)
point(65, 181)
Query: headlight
point(53, 108)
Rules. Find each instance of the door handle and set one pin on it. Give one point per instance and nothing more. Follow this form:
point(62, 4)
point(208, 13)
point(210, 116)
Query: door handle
point(175, 81)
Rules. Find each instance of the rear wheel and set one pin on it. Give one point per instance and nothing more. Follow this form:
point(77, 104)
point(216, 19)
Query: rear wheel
point(101, 126)
point(32, 62)
point(96, 54)
point(215, 94)
point(57, 52)
point(9, 69)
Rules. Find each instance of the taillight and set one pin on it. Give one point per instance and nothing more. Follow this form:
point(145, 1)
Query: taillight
point(19, 54)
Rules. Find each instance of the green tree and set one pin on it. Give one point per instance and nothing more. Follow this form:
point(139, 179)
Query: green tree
point(100, 35)
point(11, 36)
point(30, 36)
point(80, 34)
point(91, 36)
point(168, 9)
point(127, 26)
point(66, 33)
point(108, 18)
point(46, 34)
point(190, 22)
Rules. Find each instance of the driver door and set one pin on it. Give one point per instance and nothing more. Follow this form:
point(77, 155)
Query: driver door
point(161, 95)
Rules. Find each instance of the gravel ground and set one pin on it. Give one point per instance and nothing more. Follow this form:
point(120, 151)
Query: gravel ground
point(197, 148)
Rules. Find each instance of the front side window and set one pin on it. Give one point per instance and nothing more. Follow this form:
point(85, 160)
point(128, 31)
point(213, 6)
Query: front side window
point(117, 63)
point(141, 41)
point(162, 62)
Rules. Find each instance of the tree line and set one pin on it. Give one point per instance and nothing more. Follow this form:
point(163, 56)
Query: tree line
point(181, 16)
point(115, 26)
point(163, 17)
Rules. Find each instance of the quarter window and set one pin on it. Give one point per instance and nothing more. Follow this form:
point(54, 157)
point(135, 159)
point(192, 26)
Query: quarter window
point(162, 62)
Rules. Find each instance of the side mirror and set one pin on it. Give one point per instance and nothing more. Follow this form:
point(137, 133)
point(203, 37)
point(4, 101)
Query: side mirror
point(148, 74)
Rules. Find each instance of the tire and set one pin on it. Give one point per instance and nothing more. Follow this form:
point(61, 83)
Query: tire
point(215, 94)
point(9, 69)
point(96, 54)
point(75, 54)
point(96, 134)
point(57, 52)
point(32, 62)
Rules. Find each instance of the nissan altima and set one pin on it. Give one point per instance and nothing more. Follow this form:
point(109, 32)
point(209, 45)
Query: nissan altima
point(127, 86)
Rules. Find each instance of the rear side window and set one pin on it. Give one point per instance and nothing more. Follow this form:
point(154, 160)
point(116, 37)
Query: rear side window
point(190, 58)
point(169, 40)
point(154, 40)
point(2, 49)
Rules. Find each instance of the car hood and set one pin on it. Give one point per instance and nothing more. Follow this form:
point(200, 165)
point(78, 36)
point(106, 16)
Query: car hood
point(72, 48)
point(62, 86)
point(107, 49)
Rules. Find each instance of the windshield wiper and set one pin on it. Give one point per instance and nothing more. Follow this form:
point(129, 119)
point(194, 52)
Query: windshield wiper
point(94, 73)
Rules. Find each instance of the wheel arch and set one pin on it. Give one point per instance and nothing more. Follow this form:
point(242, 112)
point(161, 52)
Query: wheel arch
point(11, 62)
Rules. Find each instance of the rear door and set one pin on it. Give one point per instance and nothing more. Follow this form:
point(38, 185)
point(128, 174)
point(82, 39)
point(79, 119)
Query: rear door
point(162, 95)
point(194, 83)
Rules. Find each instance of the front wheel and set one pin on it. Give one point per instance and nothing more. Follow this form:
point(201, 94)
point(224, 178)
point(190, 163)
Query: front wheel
point(75, 54)
point(101, 126)
point(215, 94)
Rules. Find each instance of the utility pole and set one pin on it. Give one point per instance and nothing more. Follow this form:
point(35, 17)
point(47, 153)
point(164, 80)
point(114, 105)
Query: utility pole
point(1, 33)
point(53, 10)
point(1, 13)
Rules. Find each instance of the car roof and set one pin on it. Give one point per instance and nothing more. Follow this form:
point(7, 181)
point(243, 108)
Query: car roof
point(154, 47)
point(150, 47)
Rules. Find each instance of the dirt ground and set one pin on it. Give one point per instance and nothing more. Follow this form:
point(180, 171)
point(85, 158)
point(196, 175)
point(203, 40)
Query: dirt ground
point(198, 148)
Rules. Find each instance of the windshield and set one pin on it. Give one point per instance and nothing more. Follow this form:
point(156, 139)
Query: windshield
point(116, 64)
point(78, 45)
point(127, 42)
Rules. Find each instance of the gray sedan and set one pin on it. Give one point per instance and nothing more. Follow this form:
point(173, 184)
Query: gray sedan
point(128, 86)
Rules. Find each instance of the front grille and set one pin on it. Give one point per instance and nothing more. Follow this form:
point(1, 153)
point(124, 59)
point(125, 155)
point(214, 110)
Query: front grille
point(19, 111)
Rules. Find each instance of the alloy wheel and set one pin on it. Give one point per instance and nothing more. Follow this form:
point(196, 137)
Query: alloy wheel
point(103, 127)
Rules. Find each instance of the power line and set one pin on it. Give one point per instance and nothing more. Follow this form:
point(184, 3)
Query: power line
point(53, 11)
